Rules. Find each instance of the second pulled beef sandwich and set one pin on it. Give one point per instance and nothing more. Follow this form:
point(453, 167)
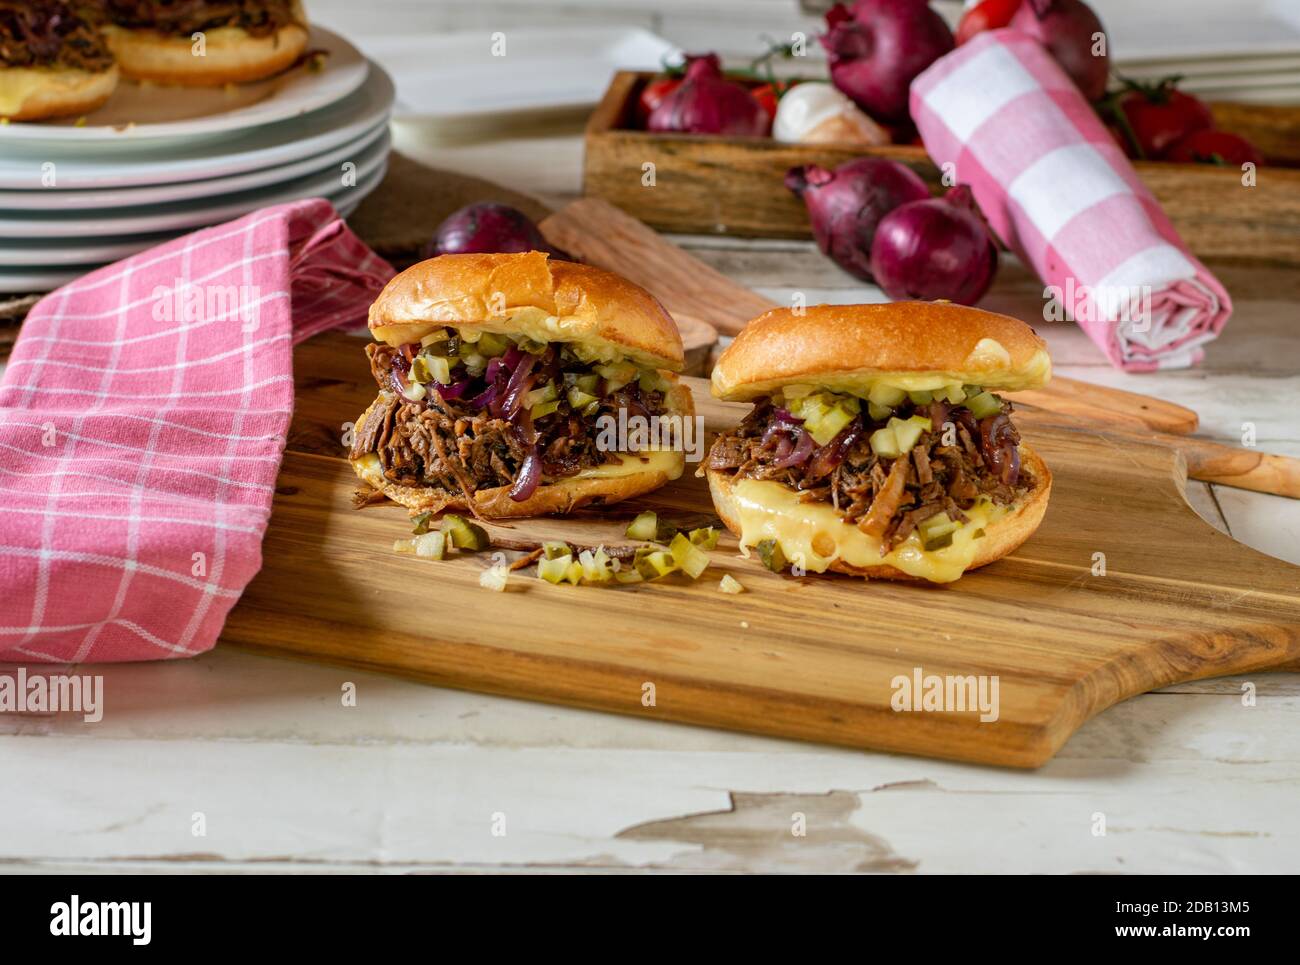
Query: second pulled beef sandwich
point(493, 371)
point(878, 445)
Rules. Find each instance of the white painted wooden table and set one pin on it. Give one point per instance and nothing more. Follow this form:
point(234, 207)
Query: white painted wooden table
point(418, 778)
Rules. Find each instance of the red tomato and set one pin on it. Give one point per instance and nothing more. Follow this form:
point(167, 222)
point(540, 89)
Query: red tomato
point(1161, 114)
point(1214, 147)
point(655, 90)
point(987, 15)
point(766, 94)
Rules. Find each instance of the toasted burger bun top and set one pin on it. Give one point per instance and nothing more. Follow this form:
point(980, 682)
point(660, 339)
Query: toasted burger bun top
point(911, 345)
point(603, 315)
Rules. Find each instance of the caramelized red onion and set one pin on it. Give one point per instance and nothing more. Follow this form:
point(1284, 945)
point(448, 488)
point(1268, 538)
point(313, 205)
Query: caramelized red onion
point(799, 452)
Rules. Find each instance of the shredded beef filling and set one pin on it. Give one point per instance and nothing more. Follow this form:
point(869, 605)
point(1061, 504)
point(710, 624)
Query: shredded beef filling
point(453, 445)
point(40, 33)
point(259, 17)
point(886, 498)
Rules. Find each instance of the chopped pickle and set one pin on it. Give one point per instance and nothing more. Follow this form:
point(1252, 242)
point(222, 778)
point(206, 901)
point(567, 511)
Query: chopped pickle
point(546, 393)
point(680, 547)
point(553, 549)
point(955, 394)
point(438, 368)
point(579, 400)
point(885, 444)
point(645, 526)
point(419, 370)
point(696, 561)
point(531, 347)
point(617, 374)
point(878, 413)
point(588, 383)
point(574, 573)
point(430, 546)
point(827, 425)
point(650, 381)
point(628, 574)
point(495, 578)
point(706, 537)
point(769, 551)
point(921, 397)
point(729, 584)
point(463, 534)
point(983, 405)
point(796, 391)
point(414, 392)
point(403, 546)
point(886, 395)
point(978, 534)
point(491, 344)
point(936, 532)
point(662, 562)
point(907, 431)
point(553, 569)
point(434, 338)
point(592, 408)
point(543, 409)
point(475, 364)
point(421, 523)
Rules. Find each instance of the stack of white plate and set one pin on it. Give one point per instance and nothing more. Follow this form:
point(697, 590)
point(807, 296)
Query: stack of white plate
point(156, 162)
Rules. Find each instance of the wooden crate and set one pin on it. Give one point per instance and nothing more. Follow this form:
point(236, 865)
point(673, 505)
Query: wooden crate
point(721, 185)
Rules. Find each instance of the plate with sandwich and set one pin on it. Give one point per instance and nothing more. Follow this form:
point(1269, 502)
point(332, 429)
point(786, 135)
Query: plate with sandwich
point(127, 71)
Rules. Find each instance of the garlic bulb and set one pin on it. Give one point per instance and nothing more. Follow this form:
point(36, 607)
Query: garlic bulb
point(816, 113)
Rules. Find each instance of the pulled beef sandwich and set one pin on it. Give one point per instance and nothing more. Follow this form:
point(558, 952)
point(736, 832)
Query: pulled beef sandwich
point(877, 445)
point(243, 40)
point(53, 62)
point(494, 372)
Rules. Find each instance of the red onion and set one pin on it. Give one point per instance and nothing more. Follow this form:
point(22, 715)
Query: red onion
point(453, 391)
point(802, 450)
point(878, 46)
point(1067, 29)
point(488, 227)
point(845, 206)
point(530, 473)
point(935, 249)
point(485, 398)
point(518, 385)
point(829, 456)
point(707, 103)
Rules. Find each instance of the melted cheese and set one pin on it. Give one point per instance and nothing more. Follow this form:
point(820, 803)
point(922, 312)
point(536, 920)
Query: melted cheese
point(19, 83)
point(666, 461)
point(816, 535)
point(662, 460)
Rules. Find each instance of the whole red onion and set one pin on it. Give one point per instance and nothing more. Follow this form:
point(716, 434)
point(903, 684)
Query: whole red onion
point(938, 248)
point(487, 226)
point(1068, 28)
point(846, 205)
point(707, 103)
point(878, 47)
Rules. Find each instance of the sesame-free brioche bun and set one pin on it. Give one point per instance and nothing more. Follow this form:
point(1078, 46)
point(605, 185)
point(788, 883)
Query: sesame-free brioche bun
point(641, 474)
point(1003, 536)
point(232, 55)
point(57, 91)
point(604, 316)
point(844, 347)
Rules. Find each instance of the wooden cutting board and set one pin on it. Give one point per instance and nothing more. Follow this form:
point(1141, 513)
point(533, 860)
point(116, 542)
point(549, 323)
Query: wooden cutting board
point(814, 657)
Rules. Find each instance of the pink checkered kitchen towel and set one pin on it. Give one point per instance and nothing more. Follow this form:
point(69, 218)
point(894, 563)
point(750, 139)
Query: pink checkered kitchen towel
point(142, 419)
point(1060, 193)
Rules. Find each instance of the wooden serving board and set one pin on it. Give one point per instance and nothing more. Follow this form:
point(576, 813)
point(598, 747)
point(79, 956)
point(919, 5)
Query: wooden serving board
point(724, 185)
point(811, 657)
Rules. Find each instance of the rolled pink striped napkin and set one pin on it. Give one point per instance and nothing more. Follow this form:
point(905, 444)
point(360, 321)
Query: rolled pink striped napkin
point(1059, 192)
point(143, 415)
